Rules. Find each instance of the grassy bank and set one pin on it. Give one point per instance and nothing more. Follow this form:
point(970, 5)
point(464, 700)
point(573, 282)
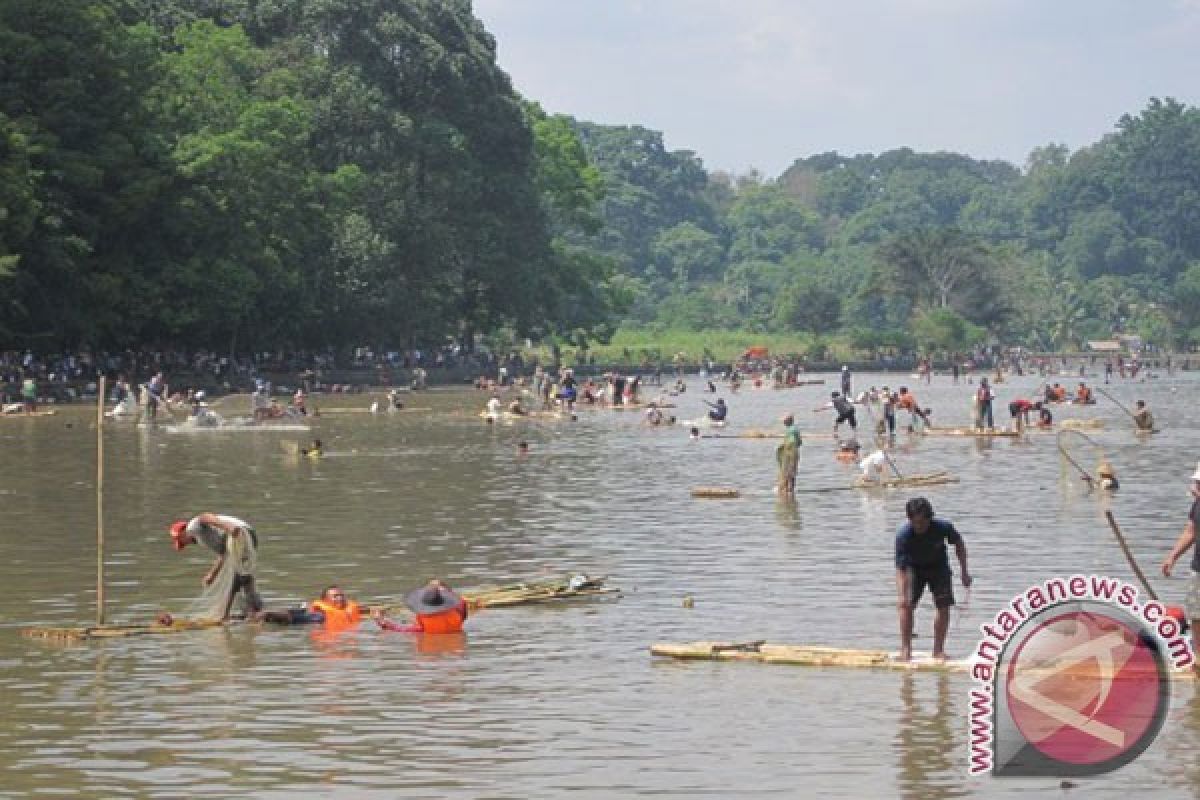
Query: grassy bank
point(634, 346)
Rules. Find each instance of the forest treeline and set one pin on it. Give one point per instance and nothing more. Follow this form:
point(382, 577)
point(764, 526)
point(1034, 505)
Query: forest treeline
point(930, 251)
point(259, 174)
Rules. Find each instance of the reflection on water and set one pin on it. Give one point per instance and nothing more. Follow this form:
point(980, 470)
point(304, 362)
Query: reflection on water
point(926, 738)
point(540, 701)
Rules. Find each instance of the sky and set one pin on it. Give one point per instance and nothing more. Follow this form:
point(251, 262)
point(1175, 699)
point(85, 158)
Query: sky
point(759, 83)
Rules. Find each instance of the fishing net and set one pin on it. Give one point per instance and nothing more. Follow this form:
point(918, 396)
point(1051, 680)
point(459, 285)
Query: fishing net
point(241, 558)
point(1082, 456)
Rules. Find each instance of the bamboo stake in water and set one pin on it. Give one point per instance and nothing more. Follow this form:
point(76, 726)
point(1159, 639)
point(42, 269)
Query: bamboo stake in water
point(100, 502)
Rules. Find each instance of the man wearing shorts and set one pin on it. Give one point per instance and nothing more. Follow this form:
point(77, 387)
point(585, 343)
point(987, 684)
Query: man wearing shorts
point(1188, 539)
point(921, 560)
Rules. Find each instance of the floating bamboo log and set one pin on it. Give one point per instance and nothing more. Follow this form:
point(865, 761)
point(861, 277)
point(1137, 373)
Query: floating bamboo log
point(715, 492)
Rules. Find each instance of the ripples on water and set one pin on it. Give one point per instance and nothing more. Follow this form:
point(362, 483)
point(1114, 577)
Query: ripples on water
point(540, 701)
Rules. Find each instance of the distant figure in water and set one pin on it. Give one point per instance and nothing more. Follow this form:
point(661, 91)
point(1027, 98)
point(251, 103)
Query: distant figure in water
point(522, 449)
point(1142, 417)
point(314, 451)
point(694, 433)
point(1106, 477)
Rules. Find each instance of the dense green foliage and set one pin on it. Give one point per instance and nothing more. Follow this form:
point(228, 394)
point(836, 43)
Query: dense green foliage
point(247, 174)
point(299, 172)
point(930, 250)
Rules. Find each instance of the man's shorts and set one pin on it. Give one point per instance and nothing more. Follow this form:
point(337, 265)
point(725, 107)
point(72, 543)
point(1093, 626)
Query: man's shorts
point(848, 416)
point(940, 581)
point(1193, 597)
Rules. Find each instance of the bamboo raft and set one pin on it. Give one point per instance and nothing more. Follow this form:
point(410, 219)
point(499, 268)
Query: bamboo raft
point(320, 412)
point(525, 593)
point(799, 384)
point(753, 433)
point(972, 432)
point(903, 481)
point(509, 416)
point(802, 655)
point(716, 492)
point(1081, 424)
point(118, 631)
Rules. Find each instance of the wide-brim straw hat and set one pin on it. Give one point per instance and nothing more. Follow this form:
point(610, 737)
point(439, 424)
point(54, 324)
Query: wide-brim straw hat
point(431, 600)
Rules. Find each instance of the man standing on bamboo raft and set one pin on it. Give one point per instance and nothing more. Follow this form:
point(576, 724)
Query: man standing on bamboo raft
point(921, 560)
point(1186, 540)
point(236, 545)
point(787, 456)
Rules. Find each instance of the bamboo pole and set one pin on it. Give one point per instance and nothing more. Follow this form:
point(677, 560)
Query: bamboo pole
point(1112, 523)
point(100, 502)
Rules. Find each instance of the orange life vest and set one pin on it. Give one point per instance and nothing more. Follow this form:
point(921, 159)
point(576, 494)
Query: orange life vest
point(339, 619)
point(444, 621)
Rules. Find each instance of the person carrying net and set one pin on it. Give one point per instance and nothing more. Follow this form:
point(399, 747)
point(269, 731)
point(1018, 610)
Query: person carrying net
point(236, 544)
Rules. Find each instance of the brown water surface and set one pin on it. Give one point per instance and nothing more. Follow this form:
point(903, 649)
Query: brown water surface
point(542, 701)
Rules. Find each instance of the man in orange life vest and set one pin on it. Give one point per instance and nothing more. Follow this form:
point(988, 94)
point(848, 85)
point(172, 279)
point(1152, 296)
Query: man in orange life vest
point(333, 610)
point(438, 610)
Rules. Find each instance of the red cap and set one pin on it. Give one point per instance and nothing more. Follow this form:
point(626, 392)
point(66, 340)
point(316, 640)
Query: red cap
point(179, 535)
point(1177, 613)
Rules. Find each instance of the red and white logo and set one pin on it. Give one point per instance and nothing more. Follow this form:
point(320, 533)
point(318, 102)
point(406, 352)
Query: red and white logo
point(1084, 689)
point(1077, 688)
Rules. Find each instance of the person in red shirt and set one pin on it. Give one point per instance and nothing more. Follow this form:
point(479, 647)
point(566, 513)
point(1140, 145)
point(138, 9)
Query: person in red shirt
point(1020, 409)
point(438, 610)
point(907, 401)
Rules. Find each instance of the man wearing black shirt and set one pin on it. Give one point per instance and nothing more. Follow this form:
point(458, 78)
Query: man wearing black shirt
point(1186, 540)
point(921, 560)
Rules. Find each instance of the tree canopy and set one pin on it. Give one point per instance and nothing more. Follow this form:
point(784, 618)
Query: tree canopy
point(248, 174)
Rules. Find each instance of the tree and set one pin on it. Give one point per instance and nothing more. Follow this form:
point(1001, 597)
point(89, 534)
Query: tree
point(687, 251)
point(806, 305)
point(943, 329)
point(939, 267)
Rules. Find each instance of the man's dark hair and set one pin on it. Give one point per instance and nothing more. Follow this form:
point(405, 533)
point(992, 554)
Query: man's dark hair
point(918, 507)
